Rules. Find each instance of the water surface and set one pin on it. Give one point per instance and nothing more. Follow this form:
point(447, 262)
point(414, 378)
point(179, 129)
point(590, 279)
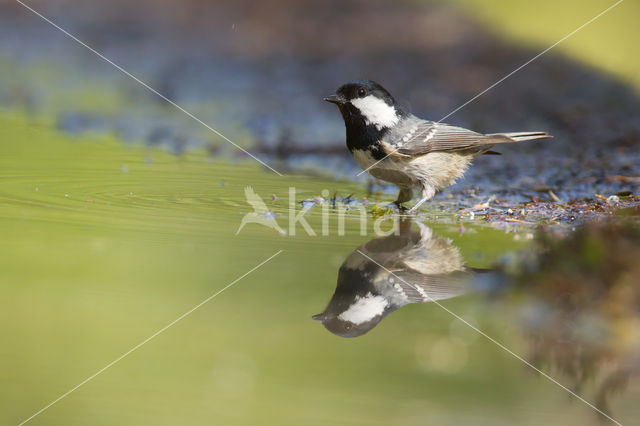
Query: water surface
point(103, 245)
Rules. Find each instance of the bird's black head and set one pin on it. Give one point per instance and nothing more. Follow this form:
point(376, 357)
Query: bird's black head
point(360, 89)
point(368, 110)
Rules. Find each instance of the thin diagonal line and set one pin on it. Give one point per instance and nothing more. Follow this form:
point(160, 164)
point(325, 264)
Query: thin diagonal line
point(509, 75)
point(148, 339)
point(500, 345)
point(127, 73)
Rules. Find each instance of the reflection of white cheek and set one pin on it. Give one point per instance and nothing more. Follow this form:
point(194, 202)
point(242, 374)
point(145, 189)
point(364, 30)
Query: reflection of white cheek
point(376, 111)
point(364, 309)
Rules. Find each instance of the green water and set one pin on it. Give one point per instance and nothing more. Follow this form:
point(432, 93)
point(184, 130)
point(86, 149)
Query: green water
point(103, 245)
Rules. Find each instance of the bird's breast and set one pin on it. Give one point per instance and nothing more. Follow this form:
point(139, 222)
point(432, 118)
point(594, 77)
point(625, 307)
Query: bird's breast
point(364, 158)
point(388, 169)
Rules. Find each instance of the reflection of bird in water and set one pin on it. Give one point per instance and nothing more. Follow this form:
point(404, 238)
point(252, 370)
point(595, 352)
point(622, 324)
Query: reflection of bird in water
point(424, 268)
point(261, 214)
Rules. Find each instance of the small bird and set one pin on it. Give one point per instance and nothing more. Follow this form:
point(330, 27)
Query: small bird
point(395, 146)
point(387, 273)
point(261, 214)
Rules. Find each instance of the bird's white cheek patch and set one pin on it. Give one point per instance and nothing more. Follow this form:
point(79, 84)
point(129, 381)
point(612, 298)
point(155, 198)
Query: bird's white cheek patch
point(364, 309)
point(376, 111)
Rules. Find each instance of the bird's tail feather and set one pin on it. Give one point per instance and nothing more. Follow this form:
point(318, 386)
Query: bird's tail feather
point(517, 136)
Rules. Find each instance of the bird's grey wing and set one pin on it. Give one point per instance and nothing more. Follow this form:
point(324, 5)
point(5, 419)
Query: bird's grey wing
point(428, 136)
point(426, 288)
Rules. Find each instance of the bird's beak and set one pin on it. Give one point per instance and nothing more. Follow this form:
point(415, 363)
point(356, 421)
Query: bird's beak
point(318, 317)
point(335, 99)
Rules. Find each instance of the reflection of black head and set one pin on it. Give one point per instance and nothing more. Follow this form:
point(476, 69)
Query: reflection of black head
point(348, 329)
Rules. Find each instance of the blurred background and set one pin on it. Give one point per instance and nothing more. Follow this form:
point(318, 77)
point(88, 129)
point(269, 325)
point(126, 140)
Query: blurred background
point(257, 71)
point(118, 212)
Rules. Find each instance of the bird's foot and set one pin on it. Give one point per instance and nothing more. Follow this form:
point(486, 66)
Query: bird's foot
point(427, 195)
point(416, 208)
point(399, 206)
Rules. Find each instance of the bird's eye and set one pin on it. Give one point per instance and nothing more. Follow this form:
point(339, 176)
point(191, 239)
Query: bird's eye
point(347, 327)
point(361, 92)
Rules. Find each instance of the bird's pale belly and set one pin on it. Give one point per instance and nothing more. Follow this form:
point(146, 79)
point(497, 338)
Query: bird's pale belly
point(436, 169)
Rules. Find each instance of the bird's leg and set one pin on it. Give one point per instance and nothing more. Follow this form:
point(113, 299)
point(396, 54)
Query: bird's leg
point(428, 192)
point(405, 194)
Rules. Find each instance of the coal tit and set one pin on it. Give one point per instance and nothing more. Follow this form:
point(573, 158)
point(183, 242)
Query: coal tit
point(395, 146)
point(425, 268)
